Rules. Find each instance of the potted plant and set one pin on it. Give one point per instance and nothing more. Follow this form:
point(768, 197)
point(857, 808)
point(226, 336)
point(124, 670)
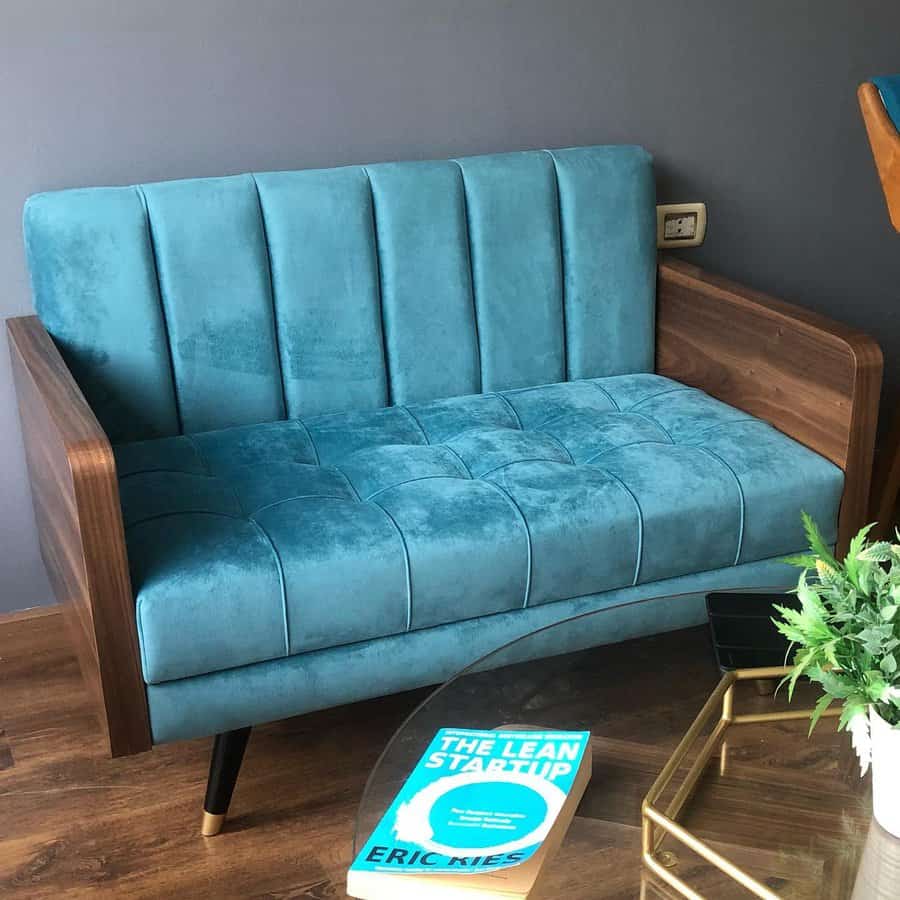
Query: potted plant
point(847, 638)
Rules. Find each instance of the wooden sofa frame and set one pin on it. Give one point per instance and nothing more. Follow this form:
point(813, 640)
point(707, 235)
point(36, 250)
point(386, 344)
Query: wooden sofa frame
point(814, 379)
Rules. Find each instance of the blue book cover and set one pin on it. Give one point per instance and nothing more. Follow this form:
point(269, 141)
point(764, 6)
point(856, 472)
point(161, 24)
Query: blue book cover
point(476, 801)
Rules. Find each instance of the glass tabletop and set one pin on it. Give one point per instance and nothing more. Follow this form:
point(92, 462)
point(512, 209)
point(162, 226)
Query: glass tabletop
point(789, 810)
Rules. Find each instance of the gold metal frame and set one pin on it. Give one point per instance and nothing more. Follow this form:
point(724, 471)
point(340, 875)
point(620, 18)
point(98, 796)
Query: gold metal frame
point(657, 823)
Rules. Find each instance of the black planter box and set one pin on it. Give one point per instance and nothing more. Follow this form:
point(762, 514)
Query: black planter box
point(743, 635)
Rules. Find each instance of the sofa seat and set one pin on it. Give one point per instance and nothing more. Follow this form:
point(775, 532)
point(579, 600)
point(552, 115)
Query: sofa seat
point(264, 541)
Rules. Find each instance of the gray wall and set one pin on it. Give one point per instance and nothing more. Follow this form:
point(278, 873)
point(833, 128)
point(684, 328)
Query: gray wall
point(746, 104)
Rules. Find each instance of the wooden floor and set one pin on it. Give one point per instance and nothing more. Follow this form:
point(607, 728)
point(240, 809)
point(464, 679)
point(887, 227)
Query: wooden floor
point(74, 823)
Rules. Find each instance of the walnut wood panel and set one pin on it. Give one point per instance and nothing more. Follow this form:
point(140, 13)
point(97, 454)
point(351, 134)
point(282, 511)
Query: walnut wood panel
point(74, 824)
point(885, 143)
point(79, 522)
point(812, 378)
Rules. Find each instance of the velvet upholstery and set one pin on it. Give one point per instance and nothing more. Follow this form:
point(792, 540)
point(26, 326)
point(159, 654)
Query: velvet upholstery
point(415, 516)
point(325, 289)
point(220, 701)
point(516, 252)
point(372, 422)
point(95, 288)
point(193, 305)
point(210, 253)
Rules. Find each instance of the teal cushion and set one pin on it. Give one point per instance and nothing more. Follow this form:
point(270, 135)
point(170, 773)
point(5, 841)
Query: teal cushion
point(248, 695)
point(215, 290)
point(196, 305)
point(95, 288)
point(257, 542)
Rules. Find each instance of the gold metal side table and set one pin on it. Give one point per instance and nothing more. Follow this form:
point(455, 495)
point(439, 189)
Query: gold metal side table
point(658, 820)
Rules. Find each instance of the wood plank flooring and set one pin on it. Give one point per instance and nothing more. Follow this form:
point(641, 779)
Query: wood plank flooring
point(74, 823)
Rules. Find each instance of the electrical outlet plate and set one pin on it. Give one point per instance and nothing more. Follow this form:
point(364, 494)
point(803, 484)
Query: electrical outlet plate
point(680, 224)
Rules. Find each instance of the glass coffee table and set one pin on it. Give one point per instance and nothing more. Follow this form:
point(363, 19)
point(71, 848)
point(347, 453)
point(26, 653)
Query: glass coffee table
point(789, 811)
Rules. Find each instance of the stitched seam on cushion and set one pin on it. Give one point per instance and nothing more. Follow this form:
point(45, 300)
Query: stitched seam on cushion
point(529, 459)
point(654, 422)
point(560, 416)
point(284, 605)
point(200, 455)
point(508, 497)
point(737, 481)
point(185, 512)
point(512, 409)
point(678, 390)
point(607, 394)
point(748, 421)
point(465, 192)
point(417, 423)
point(562, 269)
point(389, 487)
point(640, 547)
point(388, 386)
point(299, 497)
point(409, 589)
point(562, 446)
point(462, 462)
point(167, 471)
point(480, 428)
point(145, 664)
point(273, 305)
point(162, 308)
point(350, 484)
point(524, 390)
point(237, 498)
point(319, 417)
point(237, 468)
point(302, 426)
point(590, 459)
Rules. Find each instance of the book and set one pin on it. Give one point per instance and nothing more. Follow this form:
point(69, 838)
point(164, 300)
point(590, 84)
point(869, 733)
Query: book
point(478, 817)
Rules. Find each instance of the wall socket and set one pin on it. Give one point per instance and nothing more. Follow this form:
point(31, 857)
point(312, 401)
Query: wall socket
point(680, 224)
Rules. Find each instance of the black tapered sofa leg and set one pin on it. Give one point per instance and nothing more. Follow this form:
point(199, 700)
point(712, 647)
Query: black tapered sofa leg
point(227, 755)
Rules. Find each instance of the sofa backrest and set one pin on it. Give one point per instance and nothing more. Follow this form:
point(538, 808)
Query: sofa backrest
point(185, 306)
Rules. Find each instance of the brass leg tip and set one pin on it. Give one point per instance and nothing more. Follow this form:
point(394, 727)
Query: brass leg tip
point(212, 824)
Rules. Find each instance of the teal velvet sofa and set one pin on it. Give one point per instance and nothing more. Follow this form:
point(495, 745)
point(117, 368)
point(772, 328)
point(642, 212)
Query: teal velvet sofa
point(302, 438)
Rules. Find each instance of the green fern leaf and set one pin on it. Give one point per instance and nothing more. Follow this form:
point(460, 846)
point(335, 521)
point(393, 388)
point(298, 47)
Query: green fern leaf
point(821, 705)
point(816, 541)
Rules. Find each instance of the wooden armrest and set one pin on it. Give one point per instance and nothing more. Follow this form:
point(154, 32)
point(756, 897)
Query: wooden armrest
point(79, 521)
point(814, 379)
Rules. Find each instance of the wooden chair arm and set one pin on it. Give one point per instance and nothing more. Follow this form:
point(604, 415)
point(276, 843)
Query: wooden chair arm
point(814, 379)
point(885, 142)
point(79, 520)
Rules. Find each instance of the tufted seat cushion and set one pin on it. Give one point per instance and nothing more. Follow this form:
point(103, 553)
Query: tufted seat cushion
point(263, 541)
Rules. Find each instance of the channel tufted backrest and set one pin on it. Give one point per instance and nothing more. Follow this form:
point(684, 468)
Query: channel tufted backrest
point(186, 306)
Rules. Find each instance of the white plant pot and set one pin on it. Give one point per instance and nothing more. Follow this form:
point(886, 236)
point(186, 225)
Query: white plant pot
point(885, 773)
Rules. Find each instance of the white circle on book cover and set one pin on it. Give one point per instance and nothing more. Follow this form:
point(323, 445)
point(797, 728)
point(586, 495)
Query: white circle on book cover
point(413, 820)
